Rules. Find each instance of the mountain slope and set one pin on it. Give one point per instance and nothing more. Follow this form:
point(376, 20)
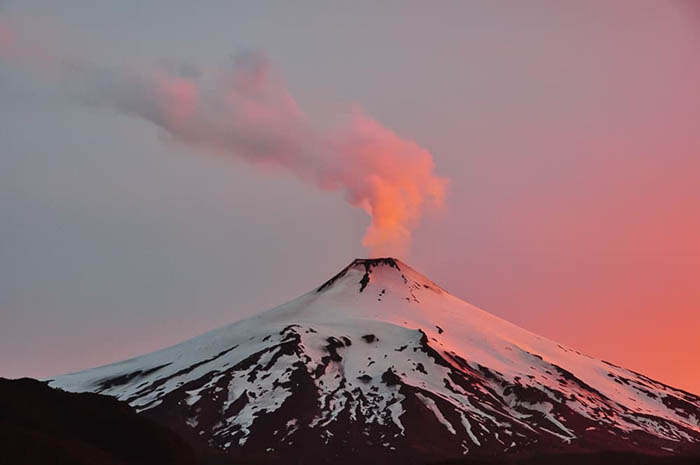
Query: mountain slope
point(380, 363)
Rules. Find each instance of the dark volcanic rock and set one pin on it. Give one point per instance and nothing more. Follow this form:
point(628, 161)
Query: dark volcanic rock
point(591, 458)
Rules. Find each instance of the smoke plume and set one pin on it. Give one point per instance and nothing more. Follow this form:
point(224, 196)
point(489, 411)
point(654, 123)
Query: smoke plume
point(246, 112)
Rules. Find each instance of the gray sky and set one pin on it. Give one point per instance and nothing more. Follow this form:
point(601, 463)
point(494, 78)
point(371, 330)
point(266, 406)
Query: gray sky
point(568, 131)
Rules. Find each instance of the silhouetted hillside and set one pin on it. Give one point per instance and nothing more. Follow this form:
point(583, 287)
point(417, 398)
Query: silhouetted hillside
point(42, 425)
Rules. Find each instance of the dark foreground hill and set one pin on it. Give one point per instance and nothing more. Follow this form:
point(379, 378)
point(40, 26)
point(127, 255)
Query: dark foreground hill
point(41, 425)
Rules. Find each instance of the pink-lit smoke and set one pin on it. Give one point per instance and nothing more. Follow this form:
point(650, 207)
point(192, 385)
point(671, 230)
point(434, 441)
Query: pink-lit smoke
point(248, 113)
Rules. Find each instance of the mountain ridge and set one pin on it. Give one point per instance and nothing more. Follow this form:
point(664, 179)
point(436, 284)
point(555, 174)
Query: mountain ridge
point(379, 362)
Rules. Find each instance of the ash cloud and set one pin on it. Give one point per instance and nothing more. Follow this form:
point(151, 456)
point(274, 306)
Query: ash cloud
point(247, 113)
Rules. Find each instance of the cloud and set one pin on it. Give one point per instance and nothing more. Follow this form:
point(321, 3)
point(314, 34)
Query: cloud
point(247, 113)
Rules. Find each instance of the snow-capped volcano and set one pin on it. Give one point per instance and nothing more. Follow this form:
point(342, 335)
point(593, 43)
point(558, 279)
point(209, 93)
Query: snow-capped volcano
point(380, 363)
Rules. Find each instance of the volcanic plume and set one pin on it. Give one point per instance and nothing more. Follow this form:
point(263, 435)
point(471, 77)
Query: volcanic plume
point(246, 112)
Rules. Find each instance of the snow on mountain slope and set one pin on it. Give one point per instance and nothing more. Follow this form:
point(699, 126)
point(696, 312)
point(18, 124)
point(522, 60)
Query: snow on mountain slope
point(379, 362)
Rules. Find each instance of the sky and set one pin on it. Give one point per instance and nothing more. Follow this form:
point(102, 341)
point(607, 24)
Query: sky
point(563, 138)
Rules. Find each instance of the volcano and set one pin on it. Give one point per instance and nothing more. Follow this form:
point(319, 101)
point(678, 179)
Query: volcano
point(380, 365)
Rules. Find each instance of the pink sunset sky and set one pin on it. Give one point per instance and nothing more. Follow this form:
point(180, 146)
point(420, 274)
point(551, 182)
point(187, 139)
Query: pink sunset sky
point(538, 159)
